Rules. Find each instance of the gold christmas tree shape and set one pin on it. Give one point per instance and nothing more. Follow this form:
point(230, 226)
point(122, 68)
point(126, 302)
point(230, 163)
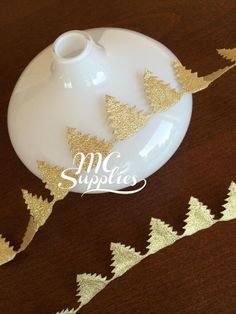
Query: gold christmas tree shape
point(39, 209)
point(160, 95)
point(230, 212)
point(123, 119)
point(51, 176)
point(191, 82)
point(86, 144)
point(88, 286)
point(123, 258)
point(199, 217)
point(228, 54)
point(7, 252)
point(161, 236)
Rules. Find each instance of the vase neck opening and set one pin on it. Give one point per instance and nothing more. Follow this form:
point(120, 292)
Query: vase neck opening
point(71, 46)
point(77, 59)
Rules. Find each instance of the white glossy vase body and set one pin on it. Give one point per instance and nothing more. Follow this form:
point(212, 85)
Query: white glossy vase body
point(64, 86)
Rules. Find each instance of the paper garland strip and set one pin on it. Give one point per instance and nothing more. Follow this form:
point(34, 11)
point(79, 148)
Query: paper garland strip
point(39, 210)
point(191, 82)
point(161, 236)
point(125, 122)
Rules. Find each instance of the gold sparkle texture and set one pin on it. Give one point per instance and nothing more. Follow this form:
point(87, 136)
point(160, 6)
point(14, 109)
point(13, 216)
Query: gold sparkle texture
point(199, 217)
point(7, 252)
point(228, 54)
point(30, 232)
point(161, 235)
point(88, 286)
point(124, 120)
point(230, 206)
point(123, 258)
point(51, 176)
point(39, 209)
point(87, 144)
point(159, 94)
point(191, 82)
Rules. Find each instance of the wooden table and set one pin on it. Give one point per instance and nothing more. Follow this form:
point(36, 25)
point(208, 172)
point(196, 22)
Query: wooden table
point(197, 274)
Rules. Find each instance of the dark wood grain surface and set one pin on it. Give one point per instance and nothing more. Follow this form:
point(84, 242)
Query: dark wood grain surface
point(197, 274)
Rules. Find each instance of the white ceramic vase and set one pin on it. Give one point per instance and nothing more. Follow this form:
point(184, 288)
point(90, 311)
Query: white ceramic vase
point(64, 86)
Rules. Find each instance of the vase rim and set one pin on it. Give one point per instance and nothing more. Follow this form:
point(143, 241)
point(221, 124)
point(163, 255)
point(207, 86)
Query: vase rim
point(71, 46)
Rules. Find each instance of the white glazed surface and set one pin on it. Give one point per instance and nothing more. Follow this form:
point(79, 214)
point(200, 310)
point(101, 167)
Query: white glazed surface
point(51, 96)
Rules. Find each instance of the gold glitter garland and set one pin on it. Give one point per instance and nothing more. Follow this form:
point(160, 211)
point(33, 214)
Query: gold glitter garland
point(7, 251)
point(228, 54)
point(87, 144)
point(191, 82)
point(161, 235)
point(123, 119)
point(125, 122)
point(39, 210)
point(51, 176)
point(160, 95)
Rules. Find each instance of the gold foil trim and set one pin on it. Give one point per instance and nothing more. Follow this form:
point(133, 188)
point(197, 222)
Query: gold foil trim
point(123, 119)
point(160, 95)
point(199, 217)
point(188, 80)
point(86, 144)
point(191, 82)
point(88, 286)
point(51, 176)
point(123, 258)
point(30, 232)
point(67, 311)
point(39, 209)
point(228, 54)
point(7, 252)
point(215, 75)
point(229, 212)
point(161, 236)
